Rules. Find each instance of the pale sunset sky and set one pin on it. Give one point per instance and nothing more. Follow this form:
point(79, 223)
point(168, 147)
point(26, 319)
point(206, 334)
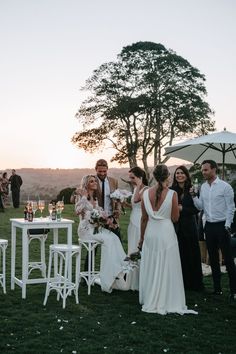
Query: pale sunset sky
point(50, 47)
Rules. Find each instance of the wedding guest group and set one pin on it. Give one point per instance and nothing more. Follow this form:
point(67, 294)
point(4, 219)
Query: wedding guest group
point(163, 226)
point(217, 202)
point(187, 231)
point(16, 183)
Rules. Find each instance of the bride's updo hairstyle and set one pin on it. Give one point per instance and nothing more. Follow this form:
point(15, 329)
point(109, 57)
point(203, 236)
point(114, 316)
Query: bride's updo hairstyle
point(84, 185)
point(160, 173)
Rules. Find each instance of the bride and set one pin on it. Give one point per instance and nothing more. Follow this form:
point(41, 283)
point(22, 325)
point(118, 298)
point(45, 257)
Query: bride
point(112, 253)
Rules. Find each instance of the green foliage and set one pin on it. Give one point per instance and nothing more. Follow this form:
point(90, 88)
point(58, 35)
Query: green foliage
point(65, 194)
point(141, 102)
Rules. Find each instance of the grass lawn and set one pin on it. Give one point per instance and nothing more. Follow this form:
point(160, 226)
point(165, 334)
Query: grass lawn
point(108, 323)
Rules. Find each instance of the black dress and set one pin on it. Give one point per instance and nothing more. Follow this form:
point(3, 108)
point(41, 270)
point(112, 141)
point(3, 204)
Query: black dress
point(187, 233)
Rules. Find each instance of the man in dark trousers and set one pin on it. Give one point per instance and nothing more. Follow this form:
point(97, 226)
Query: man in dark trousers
point(217, 202)
point(16, 182)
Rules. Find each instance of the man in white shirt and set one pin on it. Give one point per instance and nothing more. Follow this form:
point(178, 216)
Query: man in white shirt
point(217, 202)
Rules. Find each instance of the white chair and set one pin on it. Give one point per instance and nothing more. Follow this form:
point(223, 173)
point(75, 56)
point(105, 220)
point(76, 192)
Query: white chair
point(41, 235)
point(91, 275)
point(3, 247)
point(61, 280)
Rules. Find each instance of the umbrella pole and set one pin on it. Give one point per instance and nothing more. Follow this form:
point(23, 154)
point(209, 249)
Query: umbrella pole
point(223, 164)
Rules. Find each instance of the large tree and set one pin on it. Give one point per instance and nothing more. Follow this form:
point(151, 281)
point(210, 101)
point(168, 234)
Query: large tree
point(141, 102)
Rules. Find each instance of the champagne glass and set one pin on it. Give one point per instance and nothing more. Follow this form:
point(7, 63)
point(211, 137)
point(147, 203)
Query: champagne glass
point(61, 204)
point(50, 207)
point(41, 206)
point(34, 205)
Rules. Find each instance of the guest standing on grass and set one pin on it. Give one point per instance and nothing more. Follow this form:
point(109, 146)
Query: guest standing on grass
point(16, 183)
point(187, 233)
point(5, 187)
point(1, 196)
point(217, 202)
point(161, 283)
point(139, 181)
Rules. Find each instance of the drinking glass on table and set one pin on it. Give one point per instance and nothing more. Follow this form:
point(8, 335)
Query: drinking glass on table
point(41, 206)
point(50, 207)
point(61, 203)
point(34, 205)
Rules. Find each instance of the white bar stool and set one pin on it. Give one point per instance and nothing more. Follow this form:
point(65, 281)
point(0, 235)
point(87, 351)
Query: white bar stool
point(41, 235)
point(3, 247)
point(62, 281)
point(91, 274)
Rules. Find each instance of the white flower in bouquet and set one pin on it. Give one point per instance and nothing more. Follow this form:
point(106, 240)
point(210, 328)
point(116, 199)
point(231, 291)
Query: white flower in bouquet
point(95, 215)
point(120, 194)
point(98, 219)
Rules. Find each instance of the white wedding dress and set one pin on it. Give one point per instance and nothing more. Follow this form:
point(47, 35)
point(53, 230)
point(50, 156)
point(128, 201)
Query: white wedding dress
point(161, 288)
point(112, 253)
point(134, 226)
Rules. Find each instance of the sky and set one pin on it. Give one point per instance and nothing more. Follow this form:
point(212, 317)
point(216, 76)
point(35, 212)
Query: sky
point(50, 47)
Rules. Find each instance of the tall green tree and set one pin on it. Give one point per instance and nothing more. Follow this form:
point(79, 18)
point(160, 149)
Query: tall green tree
point(141, 102)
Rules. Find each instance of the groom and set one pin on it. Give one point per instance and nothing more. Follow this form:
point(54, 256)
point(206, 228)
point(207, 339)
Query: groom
point(107, 185)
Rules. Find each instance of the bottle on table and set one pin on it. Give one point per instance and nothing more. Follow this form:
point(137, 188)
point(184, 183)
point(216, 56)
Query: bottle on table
point(30, 213)
point(26, 213)
point(54, 212)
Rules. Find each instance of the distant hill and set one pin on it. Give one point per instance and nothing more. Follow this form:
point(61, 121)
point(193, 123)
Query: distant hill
point(46, 183)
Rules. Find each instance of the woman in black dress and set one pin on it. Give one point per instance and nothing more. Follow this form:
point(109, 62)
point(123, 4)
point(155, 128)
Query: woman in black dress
point(186, 230)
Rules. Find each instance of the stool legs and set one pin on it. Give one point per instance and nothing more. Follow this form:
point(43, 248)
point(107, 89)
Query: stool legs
point(42, 264)
point(3, 247)
point(61, 283)
point(91, 275)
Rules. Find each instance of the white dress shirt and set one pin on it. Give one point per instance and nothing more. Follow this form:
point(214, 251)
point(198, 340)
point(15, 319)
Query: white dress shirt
point(107, 199)
point(217, 201)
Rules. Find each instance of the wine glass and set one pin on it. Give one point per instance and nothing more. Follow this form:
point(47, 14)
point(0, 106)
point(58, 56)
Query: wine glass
point(41, 206)
point(50, 207)
point(34, 205)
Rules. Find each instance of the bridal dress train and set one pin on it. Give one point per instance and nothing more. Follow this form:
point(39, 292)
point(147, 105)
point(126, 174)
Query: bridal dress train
point(161, 288)
point(112, 262)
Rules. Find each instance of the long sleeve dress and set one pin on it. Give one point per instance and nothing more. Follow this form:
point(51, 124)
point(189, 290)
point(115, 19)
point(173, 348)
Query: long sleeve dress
point(112, 253)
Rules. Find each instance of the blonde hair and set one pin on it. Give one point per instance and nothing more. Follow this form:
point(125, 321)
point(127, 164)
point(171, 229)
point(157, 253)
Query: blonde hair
point(85, 181)
point(84, 184)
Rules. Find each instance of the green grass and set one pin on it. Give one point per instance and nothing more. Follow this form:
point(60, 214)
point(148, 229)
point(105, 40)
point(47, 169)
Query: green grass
point(108, 323)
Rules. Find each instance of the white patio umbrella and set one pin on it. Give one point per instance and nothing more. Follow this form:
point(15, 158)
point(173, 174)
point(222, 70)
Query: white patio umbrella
point(220, 147)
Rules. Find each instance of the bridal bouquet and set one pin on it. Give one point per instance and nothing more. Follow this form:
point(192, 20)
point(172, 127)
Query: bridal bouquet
point(134, 257)
point(98, 219)
point(120, 195)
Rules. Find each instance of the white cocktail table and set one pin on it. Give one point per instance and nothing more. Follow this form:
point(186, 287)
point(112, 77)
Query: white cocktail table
point(44, 223)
